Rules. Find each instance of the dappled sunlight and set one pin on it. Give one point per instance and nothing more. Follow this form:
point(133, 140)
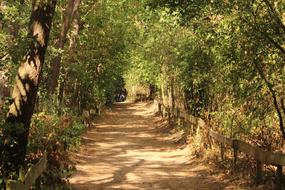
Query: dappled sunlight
point(125, 150)
point(152, 94)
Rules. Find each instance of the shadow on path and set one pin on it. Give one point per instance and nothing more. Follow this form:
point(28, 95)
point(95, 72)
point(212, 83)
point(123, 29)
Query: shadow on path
point(124, 151)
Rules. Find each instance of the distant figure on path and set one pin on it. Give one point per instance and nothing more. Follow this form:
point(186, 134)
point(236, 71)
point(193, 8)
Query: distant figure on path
point(122, 96)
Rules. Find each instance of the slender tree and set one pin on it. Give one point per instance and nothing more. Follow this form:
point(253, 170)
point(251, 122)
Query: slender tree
point(68, 17)
point(73, 39)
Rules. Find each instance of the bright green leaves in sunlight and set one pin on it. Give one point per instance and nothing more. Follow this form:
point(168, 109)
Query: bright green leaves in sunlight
point(219, 60)
point(225, 58)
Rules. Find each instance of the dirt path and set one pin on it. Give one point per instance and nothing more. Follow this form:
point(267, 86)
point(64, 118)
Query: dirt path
point(126, 151)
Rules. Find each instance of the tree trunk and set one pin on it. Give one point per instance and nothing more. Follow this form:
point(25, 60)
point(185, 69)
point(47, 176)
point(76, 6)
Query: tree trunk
point(75, 28)
point(163, 94)
point(74, 31)
point(70, 11)
point(152, 91)
point(26, 86)
point(172, 96)
point(171, 102)
point(2, 7)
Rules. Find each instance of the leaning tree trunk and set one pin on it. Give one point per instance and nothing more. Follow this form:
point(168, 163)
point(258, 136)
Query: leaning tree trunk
point(26, 86)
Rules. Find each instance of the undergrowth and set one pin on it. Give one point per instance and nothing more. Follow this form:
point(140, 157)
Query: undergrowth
point(56, 136)
point(242, 174)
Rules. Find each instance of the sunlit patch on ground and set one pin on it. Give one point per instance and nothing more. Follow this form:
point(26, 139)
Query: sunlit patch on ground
point(125, 151)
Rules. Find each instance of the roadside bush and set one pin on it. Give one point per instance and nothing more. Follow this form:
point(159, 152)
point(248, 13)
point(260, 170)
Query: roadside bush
point(57, 136)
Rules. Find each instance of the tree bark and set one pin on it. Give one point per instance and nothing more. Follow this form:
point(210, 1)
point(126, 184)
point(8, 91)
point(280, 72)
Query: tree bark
point(26, 86)
point(71, 9)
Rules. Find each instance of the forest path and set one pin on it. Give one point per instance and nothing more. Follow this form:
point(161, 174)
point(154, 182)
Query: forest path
point(128, 150)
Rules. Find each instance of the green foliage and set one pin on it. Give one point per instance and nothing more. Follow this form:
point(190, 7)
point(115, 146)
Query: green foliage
point(93, 69)
point(49, 131)
point(220, 60)
point(56, 136)
point(71, 136)
point(223, 56)
point(10, 136)
point(14, 27)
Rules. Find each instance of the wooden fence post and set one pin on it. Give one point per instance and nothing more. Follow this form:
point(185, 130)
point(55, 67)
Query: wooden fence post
point(210, 140)
point(182, 120)
point(189, 126)
point(259, 167)
point(222, 147)
point(159, 109)
point(279, 177)
point(163, 112)
point(168, 116)
point(178, 118)
point(235, 152)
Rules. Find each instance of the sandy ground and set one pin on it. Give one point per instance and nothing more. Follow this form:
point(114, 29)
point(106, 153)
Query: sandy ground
point(126, 150)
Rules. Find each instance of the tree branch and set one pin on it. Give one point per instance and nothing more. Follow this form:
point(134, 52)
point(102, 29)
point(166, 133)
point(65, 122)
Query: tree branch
point(275, 15)
point(273, 94)
point(272, 41)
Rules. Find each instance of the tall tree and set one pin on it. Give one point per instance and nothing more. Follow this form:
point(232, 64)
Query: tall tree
point(26, 86)
point(68, 17)
point(73, 39)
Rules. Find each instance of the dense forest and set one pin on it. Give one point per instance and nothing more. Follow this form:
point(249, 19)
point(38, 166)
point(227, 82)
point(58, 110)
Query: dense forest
point(62, 61)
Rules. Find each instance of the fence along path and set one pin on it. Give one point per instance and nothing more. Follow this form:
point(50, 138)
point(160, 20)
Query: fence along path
point(31, 177)
point(261, 156)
